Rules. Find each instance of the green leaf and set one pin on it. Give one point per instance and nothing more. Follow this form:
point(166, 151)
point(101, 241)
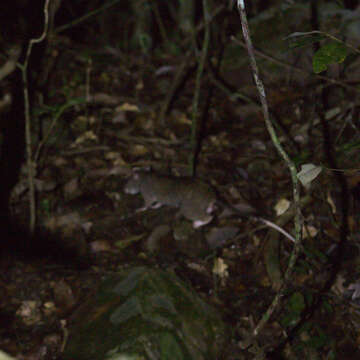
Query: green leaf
point(289, 320)
point(320, 340)
point(331, 53)
point(297, 303)
point(170, 349)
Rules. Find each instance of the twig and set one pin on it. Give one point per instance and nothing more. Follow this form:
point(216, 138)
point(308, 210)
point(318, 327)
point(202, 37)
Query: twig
point(85, 150)
point(296, 189)
point(204, 23)
point(29, 160)
point(88, 79)
point(180, 74)
point(56, 117)
point(294, 68)
point(148, 140)
point(201, 64)
point(332, 37)
point(85, 17)
point(174, 86)
point(160, 23)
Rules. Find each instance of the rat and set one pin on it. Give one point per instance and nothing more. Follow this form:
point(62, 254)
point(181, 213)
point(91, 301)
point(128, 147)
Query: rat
point(195, 199)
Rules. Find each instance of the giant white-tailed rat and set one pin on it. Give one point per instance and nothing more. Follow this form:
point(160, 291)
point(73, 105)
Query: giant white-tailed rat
point(195, 199)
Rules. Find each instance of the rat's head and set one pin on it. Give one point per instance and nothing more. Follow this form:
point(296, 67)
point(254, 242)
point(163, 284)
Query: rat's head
point(133, 185)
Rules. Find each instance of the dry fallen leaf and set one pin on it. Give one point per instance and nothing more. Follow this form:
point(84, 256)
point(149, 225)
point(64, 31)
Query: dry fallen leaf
point(331, 202)
point(309, 231)
point(138, 150)
point(281, 206)
point(99, 246)
point(88, 135)
point(220, 269)
point(127, 107)
point(29, 312)
point(338, 286)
